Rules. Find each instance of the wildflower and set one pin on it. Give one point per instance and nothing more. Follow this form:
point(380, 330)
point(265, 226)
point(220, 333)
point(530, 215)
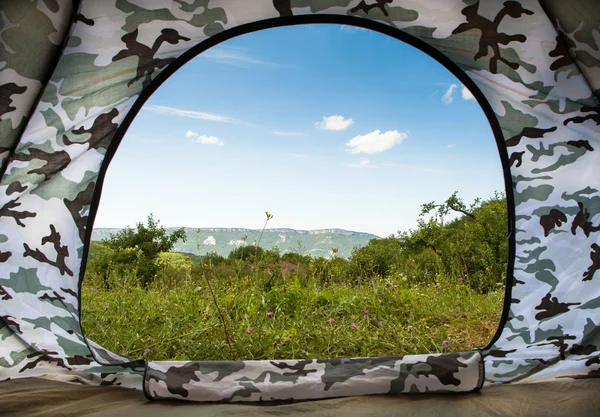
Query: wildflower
point(105, 308)
point(269, 215)
point(330, 321)
point(446, 344)
point(270, 314)
point(248, 329)
point(380, 323)
point(354, 325)
point(461, 279)
point(366, 312)
point(147, 351)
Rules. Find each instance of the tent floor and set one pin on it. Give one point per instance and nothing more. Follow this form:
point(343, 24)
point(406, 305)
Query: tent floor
point(38, 397)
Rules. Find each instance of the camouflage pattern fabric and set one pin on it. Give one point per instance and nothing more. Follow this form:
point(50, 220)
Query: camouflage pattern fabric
point(72, 72)
point(312, 379)
point(27, 59)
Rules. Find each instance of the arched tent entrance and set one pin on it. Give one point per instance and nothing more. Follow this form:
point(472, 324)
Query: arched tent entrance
point(86, 69)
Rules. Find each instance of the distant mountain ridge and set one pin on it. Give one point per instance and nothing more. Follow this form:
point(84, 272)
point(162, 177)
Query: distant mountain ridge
point(224, 239)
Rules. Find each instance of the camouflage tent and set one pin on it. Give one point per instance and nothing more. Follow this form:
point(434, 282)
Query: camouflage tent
point(73, 75)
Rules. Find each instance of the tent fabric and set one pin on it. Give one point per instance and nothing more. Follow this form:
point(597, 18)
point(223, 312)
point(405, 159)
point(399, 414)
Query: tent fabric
point(73, 75)
point(313, 379)
point(558, 398)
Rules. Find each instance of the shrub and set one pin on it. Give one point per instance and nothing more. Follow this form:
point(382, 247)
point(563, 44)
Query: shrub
point(328, 271)
point(139, 249)
point(110, 265)
point(473, 246)
point(246, 253)
point(297, 259)
point(213, 258)
point(377, 258)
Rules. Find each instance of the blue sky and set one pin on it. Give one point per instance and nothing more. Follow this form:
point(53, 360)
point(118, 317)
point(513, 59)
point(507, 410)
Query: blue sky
point(325, 126)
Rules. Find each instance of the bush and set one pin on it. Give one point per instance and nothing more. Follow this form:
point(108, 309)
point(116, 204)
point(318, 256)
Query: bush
point(297, 259)
point(111, 265)
point(246, 253)
point(328, 271)
point(213, 258)
point(377, 258)
point(135, 249)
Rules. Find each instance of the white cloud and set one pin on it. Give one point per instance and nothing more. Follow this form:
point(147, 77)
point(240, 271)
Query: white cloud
point(238, 57)
point(335, 122)
point(450, 145)
point(209, 140)
point(466, 94)
point(363, 163)
point(238, 242)
point(281, 133)
point(191, 114)
point(210, 241)
point(375, 141)
point(351, 29)
point(203, 139)
point(447, 98)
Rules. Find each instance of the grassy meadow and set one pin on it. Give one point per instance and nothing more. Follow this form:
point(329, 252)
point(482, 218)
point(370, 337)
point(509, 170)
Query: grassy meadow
point(176, 318)
point(438, 288)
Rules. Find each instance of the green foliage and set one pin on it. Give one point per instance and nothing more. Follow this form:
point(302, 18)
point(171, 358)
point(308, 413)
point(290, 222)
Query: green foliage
point(213, 258)
point(327, 271)
point(193, 258)
point(247, 253)
point(112, 265)
point(134, 250)
point(296, 258)
point(271, 256)
point(441, 281)
point(377, 258)
point(179, 321)
point(473, 246)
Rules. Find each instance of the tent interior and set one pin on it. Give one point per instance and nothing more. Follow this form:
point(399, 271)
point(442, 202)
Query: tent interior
point(74, 74)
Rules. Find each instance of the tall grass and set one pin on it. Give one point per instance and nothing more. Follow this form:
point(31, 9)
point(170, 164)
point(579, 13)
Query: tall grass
point(273, 315)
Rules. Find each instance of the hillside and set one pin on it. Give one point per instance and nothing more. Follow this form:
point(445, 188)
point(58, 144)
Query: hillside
point(223, 240)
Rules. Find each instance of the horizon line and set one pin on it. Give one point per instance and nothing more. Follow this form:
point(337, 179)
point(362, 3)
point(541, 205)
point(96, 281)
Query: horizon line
point(251, 229)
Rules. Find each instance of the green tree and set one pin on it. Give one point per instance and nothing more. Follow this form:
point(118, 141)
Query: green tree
point(139, 248)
